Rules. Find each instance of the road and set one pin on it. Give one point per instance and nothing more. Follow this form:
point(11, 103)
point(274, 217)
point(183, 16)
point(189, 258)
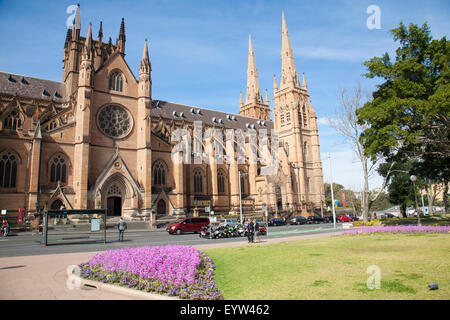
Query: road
point(27, 244)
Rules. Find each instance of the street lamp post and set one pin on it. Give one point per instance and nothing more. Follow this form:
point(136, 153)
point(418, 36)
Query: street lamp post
point(413, 179)
point(332, 194)
point(240, 197)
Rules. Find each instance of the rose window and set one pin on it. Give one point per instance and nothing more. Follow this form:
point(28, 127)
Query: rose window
point(114, 121)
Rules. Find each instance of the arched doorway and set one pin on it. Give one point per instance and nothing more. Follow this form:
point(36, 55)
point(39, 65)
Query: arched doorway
point(114, 199)
point(114, 206)
point(56, 205)
point(161, 208)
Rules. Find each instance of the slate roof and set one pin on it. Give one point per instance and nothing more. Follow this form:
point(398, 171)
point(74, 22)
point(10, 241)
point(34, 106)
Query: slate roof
point(32, 88)
point(190, 114)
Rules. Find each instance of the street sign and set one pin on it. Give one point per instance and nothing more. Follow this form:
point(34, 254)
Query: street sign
point(95, 225)
point(207, 209)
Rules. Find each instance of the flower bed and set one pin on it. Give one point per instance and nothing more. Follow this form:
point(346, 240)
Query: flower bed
point(174, 270)
point(400, 229)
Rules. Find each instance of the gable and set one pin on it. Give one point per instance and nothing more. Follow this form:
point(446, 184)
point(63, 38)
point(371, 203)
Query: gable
point(116, 62)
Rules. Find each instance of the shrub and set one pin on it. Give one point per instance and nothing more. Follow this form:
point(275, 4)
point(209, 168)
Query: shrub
point(375, 222)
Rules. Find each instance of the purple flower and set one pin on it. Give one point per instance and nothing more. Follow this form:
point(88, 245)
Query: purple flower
point(173, 269)
point(399, 229)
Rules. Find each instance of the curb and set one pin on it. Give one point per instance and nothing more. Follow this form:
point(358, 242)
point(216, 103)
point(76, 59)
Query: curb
point(119, 289)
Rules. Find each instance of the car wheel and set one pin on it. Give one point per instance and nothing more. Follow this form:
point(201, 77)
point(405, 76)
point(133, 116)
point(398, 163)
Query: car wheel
point(178, 232)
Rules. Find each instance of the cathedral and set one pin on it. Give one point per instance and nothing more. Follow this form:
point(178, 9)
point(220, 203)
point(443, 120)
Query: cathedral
point(98, 139)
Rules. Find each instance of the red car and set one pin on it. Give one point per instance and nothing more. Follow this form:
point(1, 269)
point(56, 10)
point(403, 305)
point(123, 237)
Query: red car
point(344, 219)
point(183, 225)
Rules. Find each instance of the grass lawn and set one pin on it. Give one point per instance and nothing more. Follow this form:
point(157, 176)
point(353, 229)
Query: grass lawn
point(335, 268)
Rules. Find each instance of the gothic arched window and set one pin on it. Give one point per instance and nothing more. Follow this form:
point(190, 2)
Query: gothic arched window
point(8, 170)
point(13, 120)
point(116, 81)
point(58, 169)
point(221, 181)
point(198, 181)
point(159, 174)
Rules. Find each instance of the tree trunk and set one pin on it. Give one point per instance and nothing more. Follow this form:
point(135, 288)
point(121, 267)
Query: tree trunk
point(403, 210)
point(366, 199)
point(445, 196)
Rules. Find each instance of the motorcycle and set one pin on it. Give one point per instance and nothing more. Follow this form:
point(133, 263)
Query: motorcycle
point(231, 232)
point(262, 231)
point(205, 232)
point(242, 232)
point(219, 233)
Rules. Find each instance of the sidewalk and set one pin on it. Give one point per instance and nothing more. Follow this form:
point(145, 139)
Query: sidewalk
point(44, 277)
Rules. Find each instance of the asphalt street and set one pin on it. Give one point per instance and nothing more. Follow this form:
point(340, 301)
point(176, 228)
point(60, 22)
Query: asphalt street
point(26, 244)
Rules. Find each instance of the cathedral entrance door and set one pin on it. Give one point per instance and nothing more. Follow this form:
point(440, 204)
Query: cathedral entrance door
point(161, 208)
point(114, 206)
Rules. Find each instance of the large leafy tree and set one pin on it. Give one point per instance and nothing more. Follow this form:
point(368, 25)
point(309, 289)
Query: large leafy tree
point(408, 117)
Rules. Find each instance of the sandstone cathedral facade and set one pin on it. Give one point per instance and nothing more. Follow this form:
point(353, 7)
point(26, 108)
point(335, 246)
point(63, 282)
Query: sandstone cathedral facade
point(98, 139)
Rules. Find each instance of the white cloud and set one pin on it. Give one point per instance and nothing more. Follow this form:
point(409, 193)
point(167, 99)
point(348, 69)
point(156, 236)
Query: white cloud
point(323, 121)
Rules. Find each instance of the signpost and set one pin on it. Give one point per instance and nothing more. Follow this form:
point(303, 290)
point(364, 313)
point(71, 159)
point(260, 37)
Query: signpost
point(264, 208)
point(211, 213)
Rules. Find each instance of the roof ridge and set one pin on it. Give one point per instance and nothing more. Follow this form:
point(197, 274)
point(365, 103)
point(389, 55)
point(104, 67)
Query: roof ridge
point(202, 108)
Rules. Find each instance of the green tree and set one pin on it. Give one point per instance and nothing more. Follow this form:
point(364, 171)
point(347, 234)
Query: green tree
point(337, 188)
point(408, 117)
point(400, 188)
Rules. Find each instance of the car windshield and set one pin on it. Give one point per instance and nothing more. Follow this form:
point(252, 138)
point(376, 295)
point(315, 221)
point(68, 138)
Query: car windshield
point(179, 220)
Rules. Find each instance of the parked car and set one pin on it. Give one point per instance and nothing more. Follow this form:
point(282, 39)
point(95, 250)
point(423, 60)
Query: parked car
point(344, 219)
point(298, 220)
point(183, 225)
point(329, 219)
point(316, 219)
point(388, 215)
point(261, 223)
point(354, 218)
point(229, 222)
point(276, 222)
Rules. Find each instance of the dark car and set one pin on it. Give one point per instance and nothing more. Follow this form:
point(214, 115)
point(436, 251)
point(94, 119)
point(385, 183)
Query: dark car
point(329, 219)
point(298, 220)
point(183, 225)
point(276, 222)
point(354, 218)
point(316, 219)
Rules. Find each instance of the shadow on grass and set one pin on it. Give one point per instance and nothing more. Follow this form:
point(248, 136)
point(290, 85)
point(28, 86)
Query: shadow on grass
point(388, 286)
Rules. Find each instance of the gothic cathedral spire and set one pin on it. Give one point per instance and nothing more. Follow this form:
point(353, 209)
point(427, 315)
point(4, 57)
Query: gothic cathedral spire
point(122, 38)
point(254, 105)
point(253, 90)
point(289, 77)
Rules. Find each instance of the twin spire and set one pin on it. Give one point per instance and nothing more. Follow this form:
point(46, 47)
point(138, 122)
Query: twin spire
point(289, 75)
point(253, 91)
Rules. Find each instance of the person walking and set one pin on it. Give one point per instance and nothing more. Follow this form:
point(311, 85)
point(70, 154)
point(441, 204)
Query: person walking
point(122, 226)
point(256, 227)
point(250, 230)
point(5, 227)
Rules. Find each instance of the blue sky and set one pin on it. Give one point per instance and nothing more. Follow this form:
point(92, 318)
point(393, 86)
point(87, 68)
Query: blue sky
point(198, 49)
